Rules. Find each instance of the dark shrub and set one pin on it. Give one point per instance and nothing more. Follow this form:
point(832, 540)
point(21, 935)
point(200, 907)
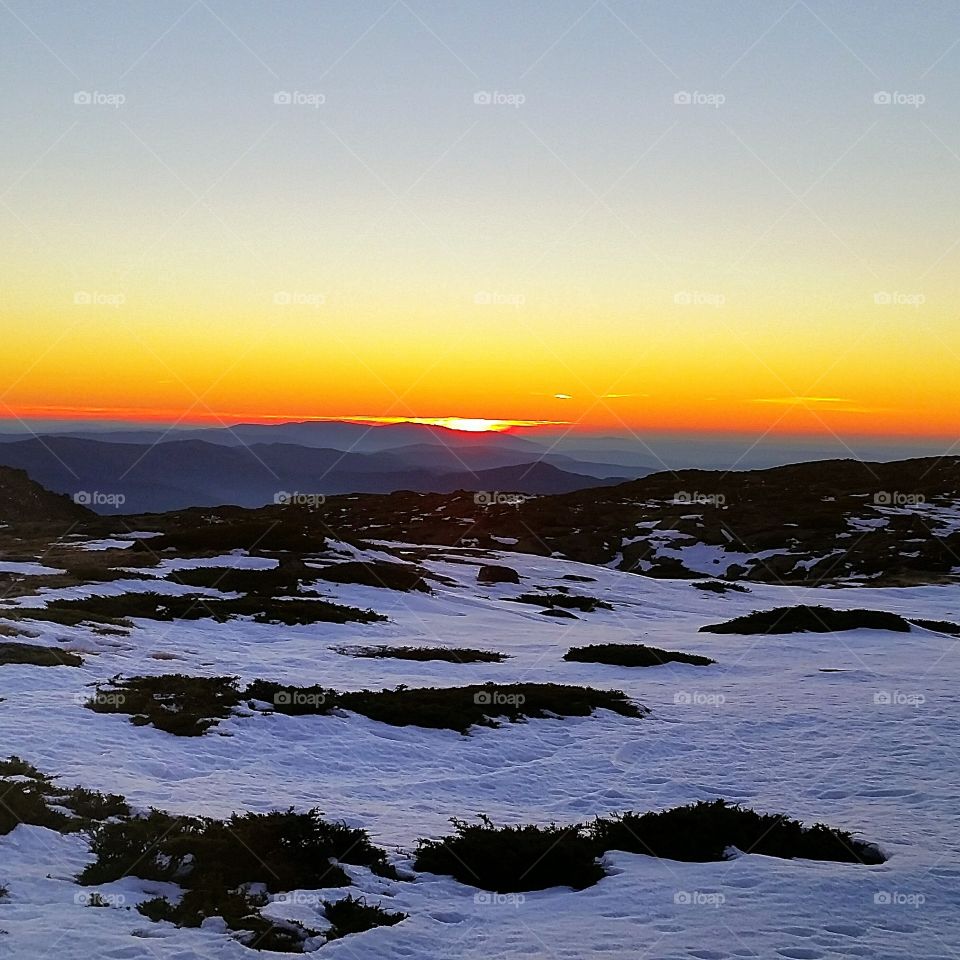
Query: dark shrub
point(37, 656)
point(379, 573)
point(29, 802)
point(564, 601)
point(351, 915)
point(268, 533)
point(720, 586)
point(704, 831)
point(459, 708)
point(283, 579)
point(632, 655)
point(155, 606)
point(216, 861)
point(807, 619)
point(448, 654)
point(939, 626)
point(512, 859)
point(179, 704)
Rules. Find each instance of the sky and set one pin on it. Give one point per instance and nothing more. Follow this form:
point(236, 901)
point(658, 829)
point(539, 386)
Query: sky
point(735, 216)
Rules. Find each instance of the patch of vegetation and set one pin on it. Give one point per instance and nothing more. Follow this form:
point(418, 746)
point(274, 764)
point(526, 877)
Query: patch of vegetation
point(57, 612)
point(632, 655)
point(705, 831)
point(29, 796)
point(274, 532)
point(721, 586)
point(28, 802)
point(217, 862)
point(577, 578)
point(38, 656)
point(939, 626)
point(809, 619)
point(176, 703)
point(355, 915)
point(156, 606)
point(448, 654)
point(284, 579)
point(514, 858)
point(293, 701)
point(456, 708)
point(378, 573)
point(189, 706)
point(565, 601)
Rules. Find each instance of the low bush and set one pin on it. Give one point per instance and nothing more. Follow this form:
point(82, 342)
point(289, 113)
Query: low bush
point(189, 706)
point(176, 703)
point(156, 606)
point(284, 579)
point(705, 831)
point(355, 915)
point(514, 858)
point(720, 586)
point(448, 654)
point(632, 655)
point(217, 862)
point(37, 656)
point(809, 619)
point(378, 573)
point(565, 601)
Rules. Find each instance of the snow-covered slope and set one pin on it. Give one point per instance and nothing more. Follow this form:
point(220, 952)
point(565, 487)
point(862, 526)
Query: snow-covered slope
point(856, 729)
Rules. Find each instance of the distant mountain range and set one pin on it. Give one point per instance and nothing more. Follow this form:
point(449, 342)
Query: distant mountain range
point(251, 465)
